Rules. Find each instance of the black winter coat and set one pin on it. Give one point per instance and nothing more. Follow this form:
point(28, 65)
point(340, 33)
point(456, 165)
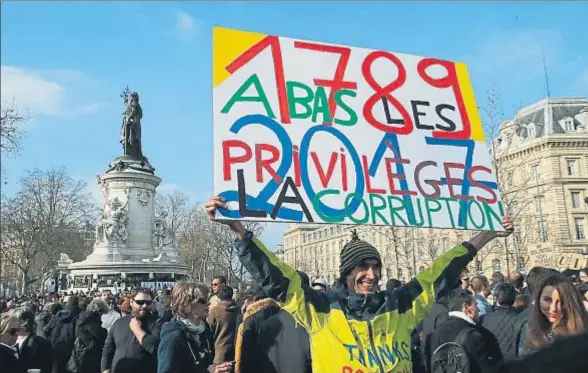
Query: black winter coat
point(42, 320)
point(182, 351)
point(9, 362)
point(282, 341)
point(122, 351)
point(481, 345)
point(37, 353)
point(61, 333)
point(92, 335)
point(438, 315)
point(505, 324)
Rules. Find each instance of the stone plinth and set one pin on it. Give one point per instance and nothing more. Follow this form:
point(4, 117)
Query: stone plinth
point(130, 239)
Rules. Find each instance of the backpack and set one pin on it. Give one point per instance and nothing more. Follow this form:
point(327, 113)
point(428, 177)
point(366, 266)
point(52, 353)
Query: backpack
point(74, 364)
point(451, 357)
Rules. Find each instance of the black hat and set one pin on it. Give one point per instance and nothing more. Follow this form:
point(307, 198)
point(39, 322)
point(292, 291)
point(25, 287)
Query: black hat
point(354, 253)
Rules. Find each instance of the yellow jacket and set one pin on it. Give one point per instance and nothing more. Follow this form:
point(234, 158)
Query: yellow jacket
point(352, 333)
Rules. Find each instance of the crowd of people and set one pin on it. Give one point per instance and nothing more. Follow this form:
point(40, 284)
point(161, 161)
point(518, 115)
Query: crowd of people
point(442, 321)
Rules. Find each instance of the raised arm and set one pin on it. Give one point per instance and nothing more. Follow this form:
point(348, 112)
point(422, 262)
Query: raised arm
point(278, 280)
point(443, 275)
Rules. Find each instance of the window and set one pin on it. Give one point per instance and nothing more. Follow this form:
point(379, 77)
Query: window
point(576, 200)
point(331, 231)
point(572, 167)
point(535, 172)
point(569, 124)
point(509, 178)
point(580, 233)
point(479, 267)
point(496, 265)
point(521, 264)
point(542, 231)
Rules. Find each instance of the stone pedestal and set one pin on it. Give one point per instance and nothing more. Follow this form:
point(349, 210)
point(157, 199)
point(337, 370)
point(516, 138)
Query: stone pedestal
point(131, 242)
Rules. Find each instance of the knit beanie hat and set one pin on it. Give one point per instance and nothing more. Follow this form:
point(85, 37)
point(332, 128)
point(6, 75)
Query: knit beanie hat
point(354, 252)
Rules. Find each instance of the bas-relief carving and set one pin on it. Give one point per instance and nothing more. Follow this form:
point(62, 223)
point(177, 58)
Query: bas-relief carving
point(162, 236)
point(143, 196)
point(112, 224)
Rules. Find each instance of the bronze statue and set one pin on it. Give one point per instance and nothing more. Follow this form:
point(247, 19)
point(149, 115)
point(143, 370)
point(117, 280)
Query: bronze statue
point(131, 125)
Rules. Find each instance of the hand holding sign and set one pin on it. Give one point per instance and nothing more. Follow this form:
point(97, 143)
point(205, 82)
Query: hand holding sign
point(216, 202)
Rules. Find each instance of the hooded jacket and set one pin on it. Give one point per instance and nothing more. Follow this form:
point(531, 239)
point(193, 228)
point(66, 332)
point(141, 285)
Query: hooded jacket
point(92, 335)
point(351, 332)
point(61, 333)
point(250, 352)
point(184, 351)
point(223, 324)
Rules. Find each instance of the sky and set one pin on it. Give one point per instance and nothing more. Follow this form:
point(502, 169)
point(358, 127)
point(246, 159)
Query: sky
point(67, 62)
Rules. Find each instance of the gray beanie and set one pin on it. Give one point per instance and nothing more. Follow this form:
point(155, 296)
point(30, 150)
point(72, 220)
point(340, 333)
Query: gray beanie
point(354, 253)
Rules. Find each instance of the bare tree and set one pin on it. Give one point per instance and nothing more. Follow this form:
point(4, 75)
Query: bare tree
point(520, 189)
point(11, 131)
point(175, 209)
point(193, 241)
point(47, 216)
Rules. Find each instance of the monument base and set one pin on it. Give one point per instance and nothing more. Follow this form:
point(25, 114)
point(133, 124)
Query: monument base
point(119, 276)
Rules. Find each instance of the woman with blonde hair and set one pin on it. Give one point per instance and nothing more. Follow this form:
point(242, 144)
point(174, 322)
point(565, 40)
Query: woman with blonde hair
point(9, 329)
point(187, 344)
point(557, 313)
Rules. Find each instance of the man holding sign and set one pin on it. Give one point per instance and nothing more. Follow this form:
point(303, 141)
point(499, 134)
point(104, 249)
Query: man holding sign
point(355, 328)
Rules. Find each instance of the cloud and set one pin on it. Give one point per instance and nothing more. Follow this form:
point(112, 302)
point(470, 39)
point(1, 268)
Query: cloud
point(30, 91)
point(186, 25)
point(54, 92)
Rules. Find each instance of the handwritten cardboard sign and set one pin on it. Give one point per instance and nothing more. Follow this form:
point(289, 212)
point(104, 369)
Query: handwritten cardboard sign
point(314, 132)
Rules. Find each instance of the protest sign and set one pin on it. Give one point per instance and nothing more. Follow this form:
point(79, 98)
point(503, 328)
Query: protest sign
point(314, 132)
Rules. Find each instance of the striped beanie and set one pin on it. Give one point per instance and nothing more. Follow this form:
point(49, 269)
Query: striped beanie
point(354, 253)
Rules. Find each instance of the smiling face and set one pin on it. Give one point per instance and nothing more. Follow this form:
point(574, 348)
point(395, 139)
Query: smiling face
point(364, 278)
point(550, 304)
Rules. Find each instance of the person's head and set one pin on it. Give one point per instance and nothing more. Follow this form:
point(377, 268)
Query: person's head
point(536, 276)
point(218, 283)
point(360, 266)
point(583, 275)
point(464, 280)
point(320, 285)
point(26, 318)
point(516, 279)
point(190, 301)
point(125, 307)
point(522, 301)
point(583, 290)
point(56, 307)
point(393, 284)
point(481, 286)
point(141, 302)
point(497, 278)
point(504, 294)
point(461, 300)
point(9, 328)
point(99, 306)
point(226, 293)
point(106, 294)
point(73, 301)
point(559, 308)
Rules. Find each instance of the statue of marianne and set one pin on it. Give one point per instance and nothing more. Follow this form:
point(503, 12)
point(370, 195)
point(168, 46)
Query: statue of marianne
point(131, 125)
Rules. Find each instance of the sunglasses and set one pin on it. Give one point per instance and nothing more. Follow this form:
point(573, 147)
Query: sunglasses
point(143, 302)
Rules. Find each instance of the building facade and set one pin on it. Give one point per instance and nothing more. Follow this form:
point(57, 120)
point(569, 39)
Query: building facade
point(541, 163)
